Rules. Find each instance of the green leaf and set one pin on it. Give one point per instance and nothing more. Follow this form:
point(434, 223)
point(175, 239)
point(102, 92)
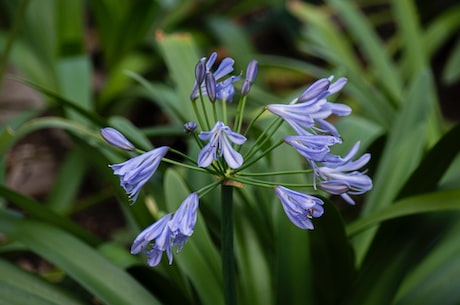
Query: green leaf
point(37, 210)
point(431, 202)
point(67, 183)
point(199, 259)
point(451, 72)
point(332, 257)
point(68, 103)
point(110, 284)
point(398, 247)
point(434, 280)
point(410, 35)
point(402, 152)
point(371, 46)
point(434, 165)
point(21, 287)
point(180, 54)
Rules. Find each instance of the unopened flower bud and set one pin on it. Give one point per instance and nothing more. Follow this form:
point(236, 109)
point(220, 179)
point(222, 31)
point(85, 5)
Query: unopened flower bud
point(115, 138)
point(190, 127)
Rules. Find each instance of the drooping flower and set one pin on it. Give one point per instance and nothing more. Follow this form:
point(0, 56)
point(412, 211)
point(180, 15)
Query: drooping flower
point(169, 231)
point(225, 68)
point(183, 221)
point(307, 113)
point(157, 236)
point(115, 138)
point(300, 208)
point(219, 144)
point(314, 148)
point(135, 172)
point(341, 176)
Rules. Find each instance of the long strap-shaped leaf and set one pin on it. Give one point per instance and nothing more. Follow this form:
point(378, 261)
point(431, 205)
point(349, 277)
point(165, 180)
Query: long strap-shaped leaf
point(89, 268)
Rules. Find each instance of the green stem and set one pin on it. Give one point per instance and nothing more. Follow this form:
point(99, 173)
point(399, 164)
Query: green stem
point(293, 172)
point(228, 259)
point(269, 184)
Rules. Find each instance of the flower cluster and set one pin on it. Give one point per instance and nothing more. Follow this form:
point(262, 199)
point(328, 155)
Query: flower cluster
point(223, 155)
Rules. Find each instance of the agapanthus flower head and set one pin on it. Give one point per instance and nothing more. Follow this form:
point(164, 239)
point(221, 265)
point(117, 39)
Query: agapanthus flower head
point(300, 208)
point(169, 231)
point(135, 172)
point(115, 138)
point(225, 68)
point(343, 174)
point(219, 139)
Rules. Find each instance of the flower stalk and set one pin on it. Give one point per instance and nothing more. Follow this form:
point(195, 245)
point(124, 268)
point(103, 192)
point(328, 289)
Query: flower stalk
point(228, 258)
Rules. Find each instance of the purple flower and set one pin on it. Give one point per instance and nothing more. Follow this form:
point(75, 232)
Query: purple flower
point(219, 144)
point(251, 73)
point(115, 138)
point(225, 68)
point(307, 113)
point(135, 172)
point(340, 176)
point(299, 208)
point(167, 232)
point(183, 221)
point(312, 147)
point(190, 127)
point(225, 89)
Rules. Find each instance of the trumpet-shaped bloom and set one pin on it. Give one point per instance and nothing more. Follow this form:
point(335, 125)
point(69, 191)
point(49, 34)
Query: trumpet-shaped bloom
point(135, 172)
point(312, 147)
point(219, 144)
point(307, 113)
point(340, 176)
point(225, 68)
point(167, 232)
point(300, 208)
point(115, 138)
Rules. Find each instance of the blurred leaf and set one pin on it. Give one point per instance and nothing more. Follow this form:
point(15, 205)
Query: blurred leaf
point(37, 210)
point(371, 46)
point(410, 36)
point(21, 287)
point(8, 136)
point(234, 39)
point(441, 29)
point(65, 102)
point(398, 247)
point(402, 152)
point(75, 82)
point(431, 202)
point(434, 165)
point(110, 284)
point(180, 54)
point(199, 259)
point(435, 280)
point(332, 258)
point(67, 183)
point(255, 285)
point(451, 73)
point(163, 96)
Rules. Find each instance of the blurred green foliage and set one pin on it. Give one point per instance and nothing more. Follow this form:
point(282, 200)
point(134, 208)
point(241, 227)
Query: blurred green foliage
point(129, 65)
